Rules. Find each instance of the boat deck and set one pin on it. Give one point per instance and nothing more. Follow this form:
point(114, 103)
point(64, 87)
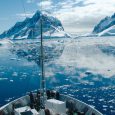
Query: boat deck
point(65, 105)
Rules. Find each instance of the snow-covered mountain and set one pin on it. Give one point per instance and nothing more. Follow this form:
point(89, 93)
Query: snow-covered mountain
point(108, 32)
point(30, 28)
point(106, 27)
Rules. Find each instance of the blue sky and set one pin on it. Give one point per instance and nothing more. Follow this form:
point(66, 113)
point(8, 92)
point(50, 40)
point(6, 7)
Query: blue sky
point(77, 16)
point(10, 11)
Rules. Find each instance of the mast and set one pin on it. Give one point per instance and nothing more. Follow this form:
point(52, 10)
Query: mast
point(42, 79)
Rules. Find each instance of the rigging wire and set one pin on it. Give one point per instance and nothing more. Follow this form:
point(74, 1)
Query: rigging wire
point(24, 9)
point(42, 79)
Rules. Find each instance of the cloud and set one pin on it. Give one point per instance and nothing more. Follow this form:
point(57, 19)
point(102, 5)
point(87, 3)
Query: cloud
point(24, 15)
point(30, 1)
point(86, 54)
point(79, 15)
point(45, 5)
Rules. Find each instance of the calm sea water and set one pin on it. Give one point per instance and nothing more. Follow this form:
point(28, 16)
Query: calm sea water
point(19, 76)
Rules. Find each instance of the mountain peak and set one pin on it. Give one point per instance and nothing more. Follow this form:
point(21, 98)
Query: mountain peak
point(113, 16)
point(37, 14)
point(30, 27)
point(106, 27)
point(104, 24)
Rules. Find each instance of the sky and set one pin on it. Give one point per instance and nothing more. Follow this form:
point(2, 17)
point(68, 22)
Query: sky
point(77, 16)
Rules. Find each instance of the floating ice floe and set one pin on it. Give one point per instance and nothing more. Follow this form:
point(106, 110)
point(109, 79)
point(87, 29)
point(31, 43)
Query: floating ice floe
point(101, 99)
point(113, 111)
point(24, 75)
point(105, 106)
point(105, 109)
point(111, 107)
point(91, 100)
point(3, 79)
point(9, 99)
point(18, 59)
point(12, 58)
point(11, 80)
point(15, 74)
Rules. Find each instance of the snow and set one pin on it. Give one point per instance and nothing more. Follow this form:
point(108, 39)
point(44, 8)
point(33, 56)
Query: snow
point(104, 24)
point(59, 32)
point(27, 29)
point(108, 32)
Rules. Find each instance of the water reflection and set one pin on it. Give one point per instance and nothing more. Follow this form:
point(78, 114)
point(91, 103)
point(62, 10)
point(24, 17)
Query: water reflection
point(20, 71)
